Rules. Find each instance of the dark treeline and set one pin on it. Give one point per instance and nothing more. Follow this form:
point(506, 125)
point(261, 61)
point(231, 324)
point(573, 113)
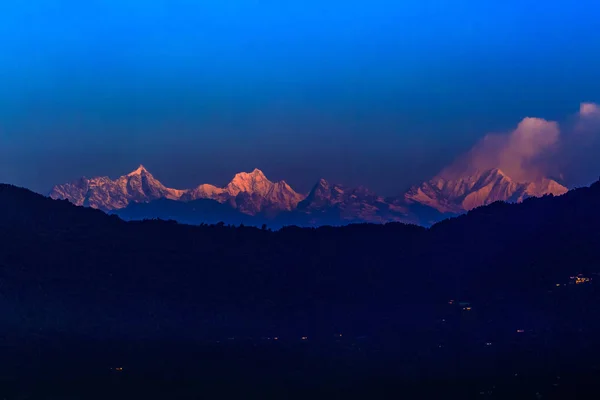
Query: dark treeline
point(81, 290)
point(70, 268)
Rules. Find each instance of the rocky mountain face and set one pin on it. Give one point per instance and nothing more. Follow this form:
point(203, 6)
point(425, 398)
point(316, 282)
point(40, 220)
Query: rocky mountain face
point(106, 194)
point(331, 201)
point(250, 193)
point(457, 194)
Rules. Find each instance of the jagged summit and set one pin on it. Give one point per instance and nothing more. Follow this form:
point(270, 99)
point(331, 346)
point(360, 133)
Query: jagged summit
point(250, 192)
point(328, 203)
point(452, 192)
point(324, 193)
point(455, 190)
point(250, 182)
point(139, 171)
point(106, 194)
point(255, 173)
point(254, 192)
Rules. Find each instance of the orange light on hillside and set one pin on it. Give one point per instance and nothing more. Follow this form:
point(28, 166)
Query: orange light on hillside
point(580, 279)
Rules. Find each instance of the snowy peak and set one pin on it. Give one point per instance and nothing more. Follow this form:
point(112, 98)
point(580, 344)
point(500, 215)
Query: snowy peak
point(249, 192)
point(253, 193)
point(205, 191)
point(543, 187)
point(323, 184)
point(459, 193)
point(452, 191)
point(106, 194)
point(324, 194)
point(333, 202)
point(141, 170)
point(249, 182)
point(256, 175)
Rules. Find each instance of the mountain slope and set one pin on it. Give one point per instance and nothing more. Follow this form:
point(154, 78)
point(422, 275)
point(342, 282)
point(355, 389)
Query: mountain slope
point(253, 192)
point(456, 194)
point(131, 292)
point(105, 194)
point(335, 204)
point(250, 193)
point(182, 280)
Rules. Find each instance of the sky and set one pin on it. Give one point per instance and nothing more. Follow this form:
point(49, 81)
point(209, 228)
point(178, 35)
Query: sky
point(379, 93)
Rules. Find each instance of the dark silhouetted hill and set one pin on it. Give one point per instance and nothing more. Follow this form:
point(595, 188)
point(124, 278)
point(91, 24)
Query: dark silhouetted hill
point(72, 269)
point(196, 212)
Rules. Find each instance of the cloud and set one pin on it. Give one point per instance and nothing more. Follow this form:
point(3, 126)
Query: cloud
point(523, 154)
point(532, 138)
point(527, 157)
point(588, 120)
point(580, 147)
point(538, 148)
point(589, 110)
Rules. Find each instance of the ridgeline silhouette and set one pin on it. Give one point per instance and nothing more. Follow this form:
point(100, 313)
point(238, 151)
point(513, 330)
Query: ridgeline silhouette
point(77, 270)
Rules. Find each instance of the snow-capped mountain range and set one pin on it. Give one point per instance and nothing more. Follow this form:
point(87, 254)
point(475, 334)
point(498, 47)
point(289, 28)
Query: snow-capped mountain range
point(138, 186)
point(252, 194)
point(478, 188)
point(350, 204)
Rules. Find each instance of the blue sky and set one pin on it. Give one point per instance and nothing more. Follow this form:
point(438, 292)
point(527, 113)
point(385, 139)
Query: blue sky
point(380, 93)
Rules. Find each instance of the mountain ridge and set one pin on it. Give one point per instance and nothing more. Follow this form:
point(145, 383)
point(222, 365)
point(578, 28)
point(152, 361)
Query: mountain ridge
point(478, 188)
point(252, 193)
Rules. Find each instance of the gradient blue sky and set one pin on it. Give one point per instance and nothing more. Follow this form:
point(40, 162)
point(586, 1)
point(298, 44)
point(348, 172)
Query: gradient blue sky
point(381, 93)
